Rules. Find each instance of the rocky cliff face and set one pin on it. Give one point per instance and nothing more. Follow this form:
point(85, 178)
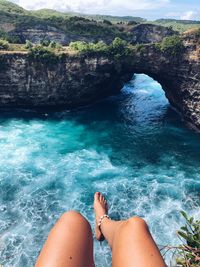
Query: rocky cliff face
point(142, 33)
point(70, 82)
point(150, 33)
point(77, 80)
point(38, 33)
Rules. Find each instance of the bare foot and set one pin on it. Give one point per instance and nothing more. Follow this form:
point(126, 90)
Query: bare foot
point(100, 208)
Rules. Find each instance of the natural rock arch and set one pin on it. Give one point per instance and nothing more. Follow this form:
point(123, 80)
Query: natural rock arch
point(79, 80)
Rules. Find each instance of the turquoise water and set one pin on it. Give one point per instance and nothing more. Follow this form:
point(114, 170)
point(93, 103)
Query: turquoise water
point(132, 147)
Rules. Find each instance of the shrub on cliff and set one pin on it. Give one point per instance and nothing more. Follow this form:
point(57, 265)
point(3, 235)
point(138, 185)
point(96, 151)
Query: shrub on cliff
point(118, 44)
point(45, 42)
point(172, 44)
point(132, 23)
point(107, 22)
point(4, 45)
point(55, 45)
point(28, 45)
point(79, 46)
point(43, 54)
point(117, 49)
point(89, 48)
point(188, 253)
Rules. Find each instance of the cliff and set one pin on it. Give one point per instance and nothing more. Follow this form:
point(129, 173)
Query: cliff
point(150, 33)
point(75, 80)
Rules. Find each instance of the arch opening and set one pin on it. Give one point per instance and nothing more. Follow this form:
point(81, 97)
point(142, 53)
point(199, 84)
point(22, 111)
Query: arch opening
point(143, 99)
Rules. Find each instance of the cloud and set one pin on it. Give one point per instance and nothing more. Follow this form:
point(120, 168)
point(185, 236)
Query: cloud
point(189, 15)
point(95, 6)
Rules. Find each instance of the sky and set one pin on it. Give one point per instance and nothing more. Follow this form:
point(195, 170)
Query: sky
point(149, 9)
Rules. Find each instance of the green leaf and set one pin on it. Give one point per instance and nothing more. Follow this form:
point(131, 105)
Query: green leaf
point(184, 228)
point(186, 237)
point(191, 220)
point(184, 214)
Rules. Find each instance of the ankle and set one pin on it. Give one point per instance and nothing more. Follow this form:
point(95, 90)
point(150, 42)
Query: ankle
point(102, 218)
point(109, 229)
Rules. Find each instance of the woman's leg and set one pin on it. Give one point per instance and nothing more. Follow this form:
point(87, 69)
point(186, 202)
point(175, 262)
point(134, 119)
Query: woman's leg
point(131, 242)
point(69, 244)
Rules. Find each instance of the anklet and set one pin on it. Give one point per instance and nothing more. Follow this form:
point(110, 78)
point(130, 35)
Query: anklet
point(101, 219)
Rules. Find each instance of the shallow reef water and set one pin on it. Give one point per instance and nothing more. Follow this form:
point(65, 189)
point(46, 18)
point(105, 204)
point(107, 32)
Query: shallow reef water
point(132, 147)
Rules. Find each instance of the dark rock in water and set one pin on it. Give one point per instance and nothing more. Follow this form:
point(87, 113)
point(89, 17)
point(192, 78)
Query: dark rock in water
point(150, 33)
point(77, 80)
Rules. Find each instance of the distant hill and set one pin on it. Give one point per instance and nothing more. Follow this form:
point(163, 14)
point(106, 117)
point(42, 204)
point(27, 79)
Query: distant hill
point(115, 19)
point(18, 24)
point(10, 7)
point(182, 21)
point(178, 25)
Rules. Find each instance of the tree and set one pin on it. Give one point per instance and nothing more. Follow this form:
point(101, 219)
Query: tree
point(172, 44)
point(131, 23)
point(28, 44)
point(4, 45)
point(45, 42)
point(118, 44)
point(108, 22)
point(55, 45)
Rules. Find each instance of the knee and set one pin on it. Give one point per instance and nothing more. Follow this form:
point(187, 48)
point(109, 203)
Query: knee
point(136, 223)
point(75, 218)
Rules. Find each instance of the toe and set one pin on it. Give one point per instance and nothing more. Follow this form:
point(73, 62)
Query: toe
point(96, 196)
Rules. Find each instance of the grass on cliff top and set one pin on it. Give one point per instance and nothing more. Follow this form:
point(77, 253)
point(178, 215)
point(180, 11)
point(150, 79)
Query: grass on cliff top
point(9, 48)
point(118, 47)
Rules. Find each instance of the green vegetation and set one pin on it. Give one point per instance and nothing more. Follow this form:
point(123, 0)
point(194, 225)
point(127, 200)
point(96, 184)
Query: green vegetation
point(46, 13)
point(190, 233)
point(55, 45)
point(131, 23)
point(178, 25)
point(182, 21)
point(172, 44)
point(108, 22)
point(140, 47)
point(3, 34)
point(88, 48)
point(43, 54)
point(188, 253)
point(117, 49)
point(66, 22)
point(7, 6)
point(4, 45)
point(92, 27)
point(11, 39)
point(114, 19)
point(28, 45)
